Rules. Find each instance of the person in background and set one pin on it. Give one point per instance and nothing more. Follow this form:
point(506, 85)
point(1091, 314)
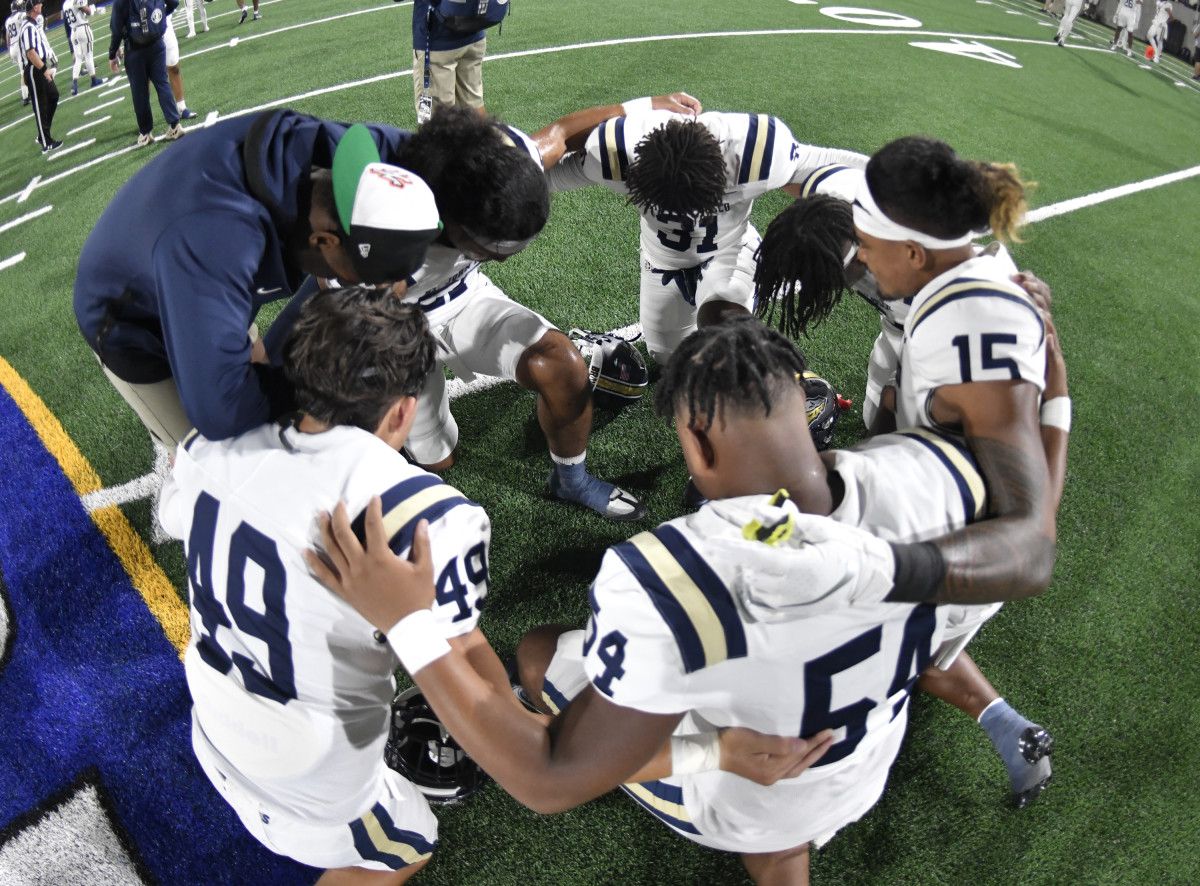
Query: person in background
point(447, 65)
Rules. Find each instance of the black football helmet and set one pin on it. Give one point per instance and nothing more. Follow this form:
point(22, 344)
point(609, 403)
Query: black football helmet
point(420, 749)
point(617, 370)
point(822, 408)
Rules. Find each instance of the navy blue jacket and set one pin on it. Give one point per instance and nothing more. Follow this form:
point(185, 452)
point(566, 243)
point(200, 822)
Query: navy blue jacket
point(190, 248)
point(440, 37)
point(118, 23)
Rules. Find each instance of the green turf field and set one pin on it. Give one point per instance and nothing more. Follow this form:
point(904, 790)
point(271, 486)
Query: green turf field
point(1107, 659)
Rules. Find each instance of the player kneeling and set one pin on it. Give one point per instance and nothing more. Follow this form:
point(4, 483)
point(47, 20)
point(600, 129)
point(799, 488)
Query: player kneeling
point(291, 686)
point(694, 626)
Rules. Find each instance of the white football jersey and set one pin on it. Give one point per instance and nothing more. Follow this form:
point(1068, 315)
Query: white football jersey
point(438, 285)
point(760, 155)
point(75, 14)
point(291, 686)
point(666, 635)
point(971, 324)
point(12, 27)
point(1162, 14)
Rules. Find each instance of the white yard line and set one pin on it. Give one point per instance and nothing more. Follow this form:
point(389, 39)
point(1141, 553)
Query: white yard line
point(26, 217)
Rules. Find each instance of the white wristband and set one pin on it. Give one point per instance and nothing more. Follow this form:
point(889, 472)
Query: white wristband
point(695, 753)
point(637, 105)
point(417, 640)
point(1056, 413)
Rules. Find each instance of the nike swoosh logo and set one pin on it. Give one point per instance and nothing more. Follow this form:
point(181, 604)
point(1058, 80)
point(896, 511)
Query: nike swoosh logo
point(264, 291)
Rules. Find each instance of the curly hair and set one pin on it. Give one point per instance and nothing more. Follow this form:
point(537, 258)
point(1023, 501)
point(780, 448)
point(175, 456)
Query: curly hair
point(478, 175)
point(923, 184)
point(678, 168)
point(738, 363)
point(354, 352)
point(800, 263)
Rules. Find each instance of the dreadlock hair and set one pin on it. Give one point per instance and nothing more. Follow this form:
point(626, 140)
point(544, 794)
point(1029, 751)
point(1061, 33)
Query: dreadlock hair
point(479, 176)
point(922, 184)
point(736, 364)
point(354, 352)
point(801, 263)
point(678, 168)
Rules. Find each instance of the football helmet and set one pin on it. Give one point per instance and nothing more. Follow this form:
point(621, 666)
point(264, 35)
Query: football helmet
point(822, 407)
point(420, 749)
point(616, 368)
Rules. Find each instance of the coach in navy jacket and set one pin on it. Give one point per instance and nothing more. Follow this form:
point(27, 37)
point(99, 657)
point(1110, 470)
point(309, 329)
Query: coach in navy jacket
point(200, 238)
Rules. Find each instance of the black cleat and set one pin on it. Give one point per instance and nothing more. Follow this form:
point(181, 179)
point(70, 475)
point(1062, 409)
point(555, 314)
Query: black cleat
point(1036, 746)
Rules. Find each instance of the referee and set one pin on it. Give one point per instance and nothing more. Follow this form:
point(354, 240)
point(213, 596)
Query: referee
point(39, 75)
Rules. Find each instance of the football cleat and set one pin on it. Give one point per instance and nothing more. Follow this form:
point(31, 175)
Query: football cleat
point(188, 114)
point(1036, 745)
point(823, 407)
point(245, 13)
point(420, 749)
point(616, 368)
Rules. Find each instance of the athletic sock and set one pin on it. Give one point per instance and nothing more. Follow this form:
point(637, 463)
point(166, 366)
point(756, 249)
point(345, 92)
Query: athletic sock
point(1018, 741)
point(572, 482)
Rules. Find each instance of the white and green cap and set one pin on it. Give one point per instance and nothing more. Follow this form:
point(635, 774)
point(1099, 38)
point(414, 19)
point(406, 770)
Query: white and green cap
point(389, 213)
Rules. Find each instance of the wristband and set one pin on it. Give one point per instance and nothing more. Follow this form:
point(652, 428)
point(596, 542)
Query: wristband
point(920, 569)
point(637, 105)
point(1056, 413)
point(695, 753)
point(417, 640)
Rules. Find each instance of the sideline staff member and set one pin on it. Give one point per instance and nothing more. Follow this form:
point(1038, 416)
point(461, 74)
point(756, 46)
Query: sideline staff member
point(38, 72)
point(174, 272)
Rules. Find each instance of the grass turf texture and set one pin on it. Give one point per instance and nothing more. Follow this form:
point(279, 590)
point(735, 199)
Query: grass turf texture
point(1106, 659)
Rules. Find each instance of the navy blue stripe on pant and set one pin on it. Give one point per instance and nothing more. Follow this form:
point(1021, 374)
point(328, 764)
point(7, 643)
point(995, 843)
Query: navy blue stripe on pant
point(145, 65)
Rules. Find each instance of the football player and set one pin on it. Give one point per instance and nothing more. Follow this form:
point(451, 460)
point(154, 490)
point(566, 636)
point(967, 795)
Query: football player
point(77, 14)
point(12, 31)
point(291, 687)
point(808, 257)
point(686, 635)
point(1125, 18)
point(694, 178)
point(491, 192)
point(1163, 16)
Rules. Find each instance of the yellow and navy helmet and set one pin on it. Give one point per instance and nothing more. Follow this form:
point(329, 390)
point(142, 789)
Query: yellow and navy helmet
point(822, 408)
point(617, 370)
point(420, 749)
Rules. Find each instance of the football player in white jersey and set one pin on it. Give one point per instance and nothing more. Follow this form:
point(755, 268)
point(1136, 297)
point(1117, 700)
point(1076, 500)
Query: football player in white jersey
point(685, 636)
point(175, 73)
point(12, 33)
point(78, 14)
point(694, 179)
point(291, 687)
point(1163, 16)
point(492, 196)
point(1126, 17)
point(808, 258)
point(972, 360)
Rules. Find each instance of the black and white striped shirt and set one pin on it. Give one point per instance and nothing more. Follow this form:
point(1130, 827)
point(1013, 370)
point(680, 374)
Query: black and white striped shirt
point(33, 37)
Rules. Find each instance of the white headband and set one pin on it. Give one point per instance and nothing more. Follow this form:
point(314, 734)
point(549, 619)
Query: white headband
point(870, 219)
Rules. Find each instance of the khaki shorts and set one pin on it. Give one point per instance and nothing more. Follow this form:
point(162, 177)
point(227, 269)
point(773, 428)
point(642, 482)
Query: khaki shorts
point(455, 75)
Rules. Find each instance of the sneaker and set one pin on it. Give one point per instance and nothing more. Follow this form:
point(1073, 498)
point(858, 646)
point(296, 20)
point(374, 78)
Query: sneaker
point(173, 133)
point(188, 114)
point(144, 139)
point(242, 20)
point(620, 508)
point(52, 145)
